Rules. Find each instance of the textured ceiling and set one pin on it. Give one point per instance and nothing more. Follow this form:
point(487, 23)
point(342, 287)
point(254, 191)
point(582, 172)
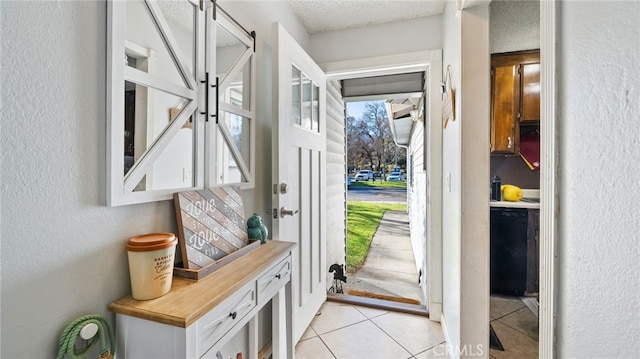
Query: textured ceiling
point(327, 15)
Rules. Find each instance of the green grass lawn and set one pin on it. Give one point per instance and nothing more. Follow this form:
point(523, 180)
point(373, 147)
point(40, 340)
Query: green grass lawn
point(378, 183)
point(362, 222)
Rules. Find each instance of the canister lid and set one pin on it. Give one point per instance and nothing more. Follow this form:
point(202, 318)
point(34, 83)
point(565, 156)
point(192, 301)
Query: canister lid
point(151, 242)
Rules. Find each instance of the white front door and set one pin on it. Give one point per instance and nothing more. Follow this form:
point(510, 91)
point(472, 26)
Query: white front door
point(299, 158)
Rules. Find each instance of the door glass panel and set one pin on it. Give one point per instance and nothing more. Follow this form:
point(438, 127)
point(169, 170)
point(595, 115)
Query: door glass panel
point(306, 102)
point(147, 114)
point(315, 112)
point(295, 95)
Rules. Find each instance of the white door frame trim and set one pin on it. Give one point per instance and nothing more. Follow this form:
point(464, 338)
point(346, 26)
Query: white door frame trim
point(429, 61)
point(548, 179)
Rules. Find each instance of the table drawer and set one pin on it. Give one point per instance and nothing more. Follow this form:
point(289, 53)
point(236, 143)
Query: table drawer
point(215, 324)
point(274, 279)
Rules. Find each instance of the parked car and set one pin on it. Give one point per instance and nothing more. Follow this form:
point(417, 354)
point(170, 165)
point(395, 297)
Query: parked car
point(395, 176)
point(364, 175)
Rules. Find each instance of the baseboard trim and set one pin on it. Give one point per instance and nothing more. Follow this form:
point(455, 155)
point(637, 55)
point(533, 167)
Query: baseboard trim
point(447, 339)
point(435, 311)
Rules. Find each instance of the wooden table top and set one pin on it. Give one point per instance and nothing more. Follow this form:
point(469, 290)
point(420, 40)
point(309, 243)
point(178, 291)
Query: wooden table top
point(189, 300)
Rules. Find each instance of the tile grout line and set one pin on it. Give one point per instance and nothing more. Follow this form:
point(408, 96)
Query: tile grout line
point(371, 317)
point(346, 326)
point(394, 339)
point(426, 350)
point(314, 332)
point(500, 317)
point(327, 346)
point(519, 331)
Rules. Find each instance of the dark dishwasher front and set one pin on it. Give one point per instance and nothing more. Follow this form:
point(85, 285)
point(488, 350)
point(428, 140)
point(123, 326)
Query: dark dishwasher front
point(509, 250)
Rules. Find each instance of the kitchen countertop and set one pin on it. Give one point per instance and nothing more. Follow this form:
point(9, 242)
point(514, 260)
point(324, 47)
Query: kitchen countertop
point(531, 200)
point(519, 204)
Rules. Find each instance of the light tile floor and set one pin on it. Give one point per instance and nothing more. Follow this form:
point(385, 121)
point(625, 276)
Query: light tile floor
point(516, 327)
point(344, 331)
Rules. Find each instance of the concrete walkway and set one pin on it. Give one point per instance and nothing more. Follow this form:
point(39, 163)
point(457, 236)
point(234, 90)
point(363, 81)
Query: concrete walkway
point(389, 268)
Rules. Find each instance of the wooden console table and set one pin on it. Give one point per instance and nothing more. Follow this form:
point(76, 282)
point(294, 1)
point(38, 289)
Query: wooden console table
point(196, 319)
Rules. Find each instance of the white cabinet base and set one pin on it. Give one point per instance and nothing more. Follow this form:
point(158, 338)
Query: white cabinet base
point(196, 319)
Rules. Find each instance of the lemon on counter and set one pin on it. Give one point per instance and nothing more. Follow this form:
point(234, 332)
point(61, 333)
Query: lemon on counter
point(511, 193)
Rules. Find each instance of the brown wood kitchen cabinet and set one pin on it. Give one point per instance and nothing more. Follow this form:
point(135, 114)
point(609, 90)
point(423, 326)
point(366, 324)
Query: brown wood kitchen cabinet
point(515, 98)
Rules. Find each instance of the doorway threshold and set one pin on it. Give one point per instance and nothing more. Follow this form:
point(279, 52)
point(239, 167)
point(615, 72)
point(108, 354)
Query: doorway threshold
point(414, 309)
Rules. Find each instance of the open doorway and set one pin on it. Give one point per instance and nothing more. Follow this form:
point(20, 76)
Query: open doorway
point(379, 257)
point(514, 264)
point(384, 260)
point(424, 159)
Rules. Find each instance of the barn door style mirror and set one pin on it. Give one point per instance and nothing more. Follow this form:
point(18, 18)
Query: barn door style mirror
point(234, 65)
point(180, 106)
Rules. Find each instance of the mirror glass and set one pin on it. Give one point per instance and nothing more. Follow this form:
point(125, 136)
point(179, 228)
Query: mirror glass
point(233, 68)
point(159, 64)
point(233, 150)
point(159, 55)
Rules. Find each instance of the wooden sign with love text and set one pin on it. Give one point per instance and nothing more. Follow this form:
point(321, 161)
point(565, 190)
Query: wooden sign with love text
point(211, 225)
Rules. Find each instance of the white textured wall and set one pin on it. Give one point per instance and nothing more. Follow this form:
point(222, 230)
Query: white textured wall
point(515, 25)
point(465, 228)
point(377, 40)
point(258, 15)
point(63, 251)
point(599, 146)
point(474, 117)
point(451, 170)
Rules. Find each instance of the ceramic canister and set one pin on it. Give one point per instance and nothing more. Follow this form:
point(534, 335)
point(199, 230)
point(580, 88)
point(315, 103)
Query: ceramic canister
point(151, 264)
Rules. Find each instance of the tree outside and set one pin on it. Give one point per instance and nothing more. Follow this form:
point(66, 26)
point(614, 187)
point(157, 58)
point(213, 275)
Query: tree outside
point(369, 140)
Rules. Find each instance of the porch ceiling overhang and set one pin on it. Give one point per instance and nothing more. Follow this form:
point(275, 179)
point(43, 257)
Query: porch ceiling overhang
point(402, 115)
point(403, 94)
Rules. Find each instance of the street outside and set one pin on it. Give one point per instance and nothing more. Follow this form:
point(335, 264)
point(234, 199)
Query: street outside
point(377, 194)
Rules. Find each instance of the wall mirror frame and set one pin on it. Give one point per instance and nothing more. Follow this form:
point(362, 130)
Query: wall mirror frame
point(180, 99)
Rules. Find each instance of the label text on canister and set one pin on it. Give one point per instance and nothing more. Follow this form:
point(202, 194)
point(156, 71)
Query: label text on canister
point(163, 263)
